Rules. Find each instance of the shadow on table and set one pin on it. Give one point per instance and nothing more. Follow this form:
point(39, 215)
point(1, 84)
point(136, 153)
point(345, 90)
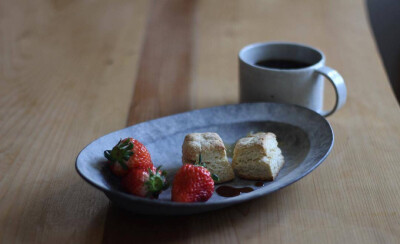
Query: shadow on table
point(231, 223)
point(385, 22)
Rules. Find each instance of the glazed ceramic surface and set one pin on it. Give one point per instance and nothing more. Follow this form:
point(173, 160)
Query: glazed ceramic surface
point(304, 136)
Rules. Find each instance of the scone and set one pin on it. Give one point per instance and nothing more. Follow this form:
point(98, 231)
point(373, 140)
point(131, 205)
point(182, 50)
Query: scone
point(257, 157)
point(213, 154)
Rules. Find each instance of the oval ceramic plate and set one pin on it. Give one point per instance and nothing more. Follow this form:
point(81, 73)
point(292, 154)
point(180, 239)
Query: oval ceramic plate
point(304, 136)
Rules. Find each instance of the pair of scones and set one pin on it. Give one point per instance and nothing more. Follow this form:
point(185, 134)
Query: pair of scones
point(255, 157)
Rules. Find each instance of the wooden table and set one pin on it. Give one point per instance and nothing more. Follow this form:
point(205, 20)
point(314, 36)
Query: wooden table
point(71, 71)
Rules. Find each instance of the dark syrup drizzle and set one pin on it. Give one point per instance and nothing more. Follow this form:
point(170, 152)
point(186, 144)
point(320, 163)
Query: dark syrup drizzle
point(259, 184)
point(230, 191)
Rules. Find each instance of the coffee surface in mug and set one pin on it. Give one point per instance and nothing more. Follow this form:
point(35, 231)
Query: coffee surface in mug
point(282, 64)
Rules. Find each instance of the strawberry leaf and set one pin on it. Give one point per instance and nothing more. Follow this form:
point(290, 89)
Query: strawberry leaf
point(123, 165)
point(120, 153)
point(156, 183)
point(200, 162)
point(214, 177)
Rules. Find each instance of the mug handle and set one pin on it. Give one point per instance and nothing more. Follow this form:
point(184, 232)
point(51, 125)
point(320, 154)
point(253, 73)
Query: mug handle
point(340, 88)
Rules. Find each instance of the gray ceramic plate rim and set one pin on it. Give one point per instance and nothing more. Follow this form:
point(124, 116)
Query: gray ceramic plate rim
point(241, 198)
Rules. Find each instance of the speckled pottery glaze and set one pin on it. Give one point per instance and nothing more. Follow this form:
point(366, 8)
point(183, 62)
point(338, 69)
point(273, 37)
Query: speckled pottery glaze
point(305, 137)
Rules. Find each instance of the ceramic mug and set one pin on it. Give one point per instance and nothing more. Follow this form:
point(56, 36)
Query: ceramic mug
point(286, 72)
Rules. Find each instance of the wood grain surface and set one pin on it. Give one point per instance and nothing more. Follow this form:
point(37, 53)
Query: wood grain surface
point(71, 71)
point(162, 84)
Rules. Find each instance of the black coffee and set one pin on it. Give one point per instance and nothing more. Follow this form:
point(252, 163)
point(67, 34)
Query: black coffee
point(282, 64)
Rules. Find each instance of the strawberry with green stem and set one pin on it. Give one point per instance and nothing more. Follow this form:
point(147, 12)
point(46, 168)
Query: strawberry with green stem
point(193, 183)
point(126, 155)
point(145, 183)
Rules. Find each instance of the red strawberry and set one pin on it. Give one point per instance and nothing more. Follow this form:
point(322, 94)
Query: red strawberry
point(145, 183)
point(192, 183)
point(128, 154)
